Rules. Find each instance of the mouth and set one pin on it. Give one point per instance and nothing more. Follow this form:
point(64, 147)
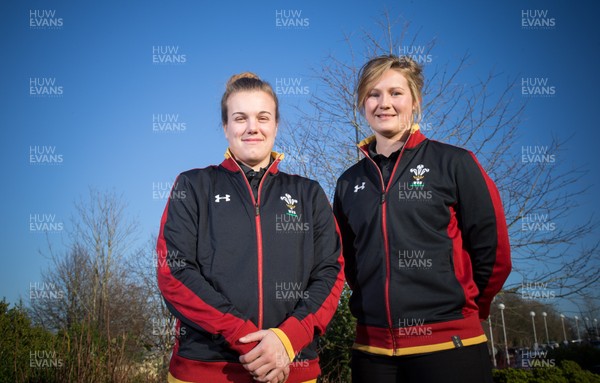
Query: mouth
point(385, 116)
point(252, 140)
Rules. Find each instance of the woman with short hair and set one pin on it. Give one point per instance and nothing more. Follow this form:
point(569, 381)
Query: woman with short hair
point(250, 258)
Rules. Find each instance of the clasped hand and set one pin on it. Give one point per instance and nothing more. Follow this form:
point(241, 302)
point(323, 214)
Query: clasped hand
point(268, 362)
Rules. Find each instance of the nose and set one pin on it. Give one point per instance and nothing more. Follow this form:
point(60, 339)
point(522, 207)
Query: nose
point(384, 101)
point(252, 126)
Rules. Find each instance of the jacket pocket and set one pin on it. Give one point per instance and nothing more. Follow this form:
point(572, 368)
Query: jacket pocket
point(425, 288)
point(203, 346)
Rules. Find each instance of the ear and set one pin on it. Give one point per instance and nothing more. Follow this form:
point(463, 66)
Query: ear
point(225, 130)
point(417, 103)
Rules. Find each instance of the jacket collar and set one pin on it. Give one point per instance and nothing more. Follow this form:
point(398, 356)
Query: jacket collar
point(415, 138)
point(231, 164)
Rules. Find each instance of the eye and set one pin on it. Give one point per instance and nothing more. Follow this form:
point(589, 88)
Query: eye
point(240, 119)
point(264, 118)
point(373, 94)
point(396, 93)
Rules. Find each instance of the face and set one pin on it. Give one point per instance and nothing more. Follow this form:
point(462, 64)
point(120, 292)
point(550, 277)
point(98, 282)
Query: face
point(389, 105)
point(251, 127)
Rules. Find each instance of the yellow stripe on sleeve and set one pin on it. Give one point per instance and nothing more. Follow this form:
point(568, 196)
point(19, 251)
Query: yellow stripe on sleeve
point(172, 379)
point(286, 343)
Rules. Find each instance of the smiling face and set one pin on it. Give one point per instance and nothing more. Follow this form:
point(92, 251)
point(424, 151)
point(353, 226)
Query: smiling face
point(251, 127)
point(389, 106)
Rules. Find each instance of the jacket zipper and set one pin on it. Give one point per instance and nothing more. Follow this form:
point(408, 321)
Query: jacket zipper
point(383, 202)
point(259, 245)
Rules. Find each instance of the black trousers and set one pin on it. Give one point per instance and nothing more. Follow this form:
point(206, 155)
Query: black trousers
point(470, 364)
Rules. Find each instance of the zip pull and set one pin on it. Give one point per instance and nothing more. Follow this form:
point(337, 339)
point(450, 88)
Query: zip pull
point(257, 209)
point(382, 198)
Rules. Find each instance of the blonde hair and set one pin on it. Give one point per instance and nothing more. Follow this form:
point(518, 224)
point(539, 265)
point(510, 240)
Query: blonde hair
point(245, 82)
point(372, 71)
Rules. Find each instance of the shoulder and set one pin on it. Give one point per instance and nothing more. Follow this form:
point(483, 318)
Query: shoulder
point(198, 173)
point(448, 149)
point(196, 179)
point(354, 170)
point(353, 175)
point(299, 182)
point(449, 156)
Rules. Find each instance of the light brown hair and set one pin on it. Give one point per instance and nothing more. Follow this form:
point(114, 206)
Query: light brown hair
point(372, 71)
point(246, 82)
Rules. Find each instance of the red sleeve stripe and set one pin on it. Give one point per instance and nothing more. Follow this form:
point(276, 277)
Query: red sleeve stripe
point(186, 301)
point(463, 269)
point(301, 333)
point(324, 314)
point(502, 264)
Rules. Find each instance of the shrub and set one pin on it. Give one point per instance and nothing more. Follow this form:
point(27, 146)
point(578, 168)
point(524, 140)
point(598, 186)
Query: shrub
point(567, 372)
point(335, 347)
point(585, 355)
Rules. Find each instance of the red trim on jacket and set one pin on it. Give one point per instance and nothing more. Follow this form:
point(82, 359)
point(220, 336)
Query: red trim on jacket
point(463, 269)
point(231, 164)
point(193, 307)
point(502, 264)
point(421, 335)
point(415, 137)
point(301, 333)
point(225, 372)
point(447, 333)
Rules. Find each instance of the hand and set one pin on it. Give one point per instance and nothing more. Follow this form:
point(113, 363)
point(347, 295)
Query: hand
point(269, 361)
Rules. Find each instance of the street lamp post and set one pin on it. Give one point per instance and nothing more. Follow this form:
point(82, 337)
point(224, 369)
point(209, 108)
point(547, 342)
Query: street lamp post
point(544, 314)
point(577, 326)
point(587, 327)
point(535, 344)
point(562, 319)
point(596, 327)
point(502, 307)
point(492, 340)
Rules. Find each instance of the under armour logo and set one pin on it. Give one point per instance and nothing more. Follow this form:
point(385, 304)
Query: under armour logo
point(357, 187)
point(218, 198)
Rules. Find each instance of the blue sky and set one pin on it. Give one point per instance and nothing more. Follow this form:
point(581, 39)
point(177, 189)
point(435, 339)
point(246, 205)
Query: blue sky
point(101, 55)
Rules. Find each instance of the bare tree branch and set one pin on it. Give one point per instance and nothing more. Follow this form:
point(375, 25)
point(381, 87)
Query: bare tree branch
point(484, 116)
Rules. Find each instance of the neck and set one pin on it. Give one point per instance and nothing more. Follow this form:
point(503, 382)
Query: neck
point(388, 145)
point(256, 167)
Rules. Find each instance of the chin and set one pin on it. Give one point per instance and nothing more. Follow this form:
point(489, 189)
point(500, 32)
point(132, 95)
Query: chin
point(388, 131)
point(254, 159)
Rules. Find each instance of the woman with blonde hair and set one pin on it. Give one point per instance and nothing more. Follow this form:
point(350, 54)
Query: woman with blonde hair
point(425, 241)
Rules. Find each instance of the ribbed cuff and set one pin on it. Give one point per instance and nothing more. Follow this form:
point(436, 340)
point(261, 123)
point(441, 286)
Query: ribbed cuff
point(286, 343)
point(296, 333)
point(243, 348)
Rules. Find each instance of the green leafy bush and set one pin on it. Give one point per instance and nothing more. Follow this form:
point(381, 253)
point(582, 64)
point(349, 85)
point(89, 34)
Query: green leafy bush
point(567, 372)
point(512, 375)
point(27, 353)
point(585, 355)
point(82, 353)
point(335, 347)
